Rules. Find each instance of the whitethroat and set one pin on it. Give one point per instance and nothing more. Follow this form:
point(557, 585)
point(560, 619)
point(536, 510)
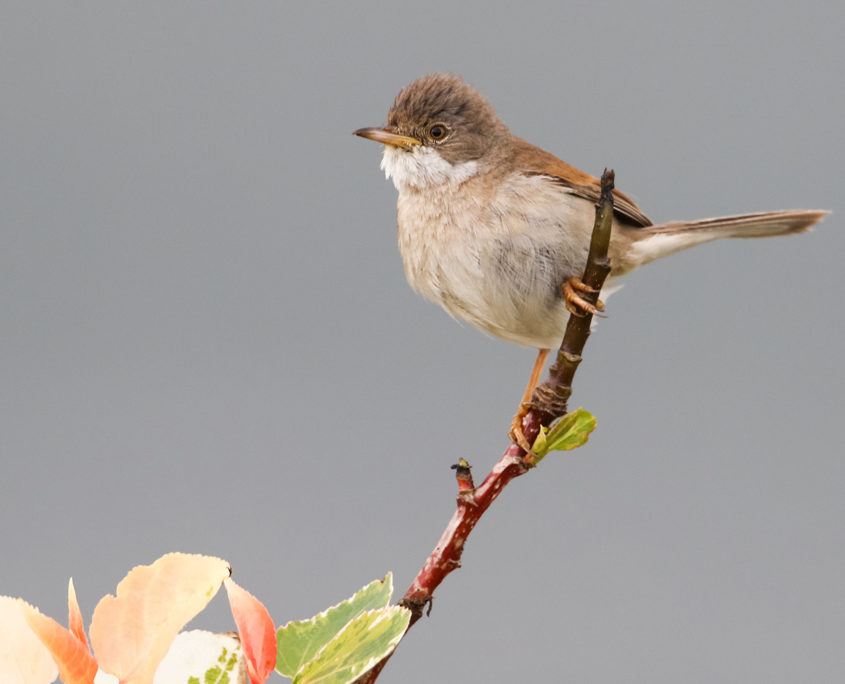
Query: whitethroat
point(496, 230)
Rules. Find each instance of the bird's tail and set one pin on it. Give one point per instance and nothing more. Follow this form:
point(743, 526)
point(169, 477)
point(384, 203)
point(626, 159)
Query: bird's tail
point(654, 242)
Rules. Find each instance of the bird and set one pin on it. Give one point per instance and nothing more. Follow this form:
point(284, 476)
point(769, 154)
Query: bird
point(496, 230)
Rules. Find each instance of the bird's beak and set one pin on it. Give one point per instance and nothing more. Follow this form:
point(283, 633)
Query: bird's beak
point(388, 137)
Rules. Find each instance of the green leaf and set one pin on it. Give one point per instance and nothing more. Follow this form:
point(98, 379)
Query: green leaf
point(298, 642)
point(570, 432)
point(540, 447)
point(215, 675)
point(359, 646)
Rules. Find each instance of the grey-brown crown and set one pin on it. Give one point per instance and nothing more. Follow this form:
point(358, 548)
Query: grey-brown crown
point(447, 99)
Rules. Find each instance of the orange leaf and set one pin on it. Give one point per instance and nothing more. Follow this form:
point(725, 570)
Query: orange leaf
point(255, 627)
point(132, 631)
point(74, 615)
point(23, 658)
point(76, 665)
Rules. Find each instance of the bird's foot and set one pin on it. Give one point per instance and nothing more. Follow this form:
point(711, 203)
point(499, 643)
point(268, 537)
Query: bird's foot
point(516, 433)
point(575, 303)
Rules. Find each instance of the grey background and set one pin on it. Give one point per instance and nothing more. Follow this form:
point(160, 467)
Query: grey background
point(208, 344)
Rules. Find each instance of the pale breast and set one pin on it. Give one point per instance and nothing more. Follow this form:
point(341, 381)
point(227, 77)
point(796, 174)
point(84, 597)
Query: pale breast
point(496, 259)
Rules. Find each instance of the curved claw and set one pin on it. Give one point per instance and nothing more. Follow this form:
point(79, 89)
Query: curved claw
point(516, 433)
point(575, 303)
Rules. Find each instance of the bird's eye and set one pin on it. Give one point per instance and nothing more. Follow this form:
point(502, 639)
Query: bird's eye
point(437, 131)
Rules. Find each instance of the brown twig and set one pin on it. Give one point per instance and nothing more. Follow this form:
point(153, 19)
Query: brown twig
point(549, 400)
point(547, 404)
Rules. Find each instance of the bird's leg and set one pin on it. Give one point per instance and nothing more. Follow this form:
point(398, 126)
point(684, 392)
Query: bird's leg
point(575, 303)
point(516, 433)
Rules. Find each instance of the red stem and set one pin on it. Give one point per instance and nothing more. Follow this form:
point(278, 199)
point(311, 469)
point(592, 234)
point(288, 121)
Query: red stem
point(472, 504)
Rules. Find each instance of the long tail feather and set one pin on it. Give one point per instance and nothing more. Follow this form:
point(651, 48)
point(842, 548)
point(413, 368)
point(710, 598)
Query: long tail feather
point(654, 242)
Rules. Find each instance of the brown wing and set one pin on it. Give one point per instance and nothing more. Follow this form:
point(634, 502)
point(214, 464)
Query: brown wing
point(540, 162)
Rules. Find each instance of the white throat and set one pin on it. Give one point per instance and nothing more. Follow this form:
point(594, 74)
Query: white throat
point(423, 167)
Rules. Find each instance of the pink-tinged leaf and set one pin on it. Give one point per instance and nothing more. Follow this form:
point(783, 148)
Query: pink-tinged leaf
point(76, 664)
point(255, 627)
point(74, 615)
point(23, 658)
point(132, 631)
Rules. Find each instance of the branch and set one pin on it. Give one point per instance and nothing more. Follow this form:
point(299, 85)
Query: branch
point(549, 400)
point(548, 403)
